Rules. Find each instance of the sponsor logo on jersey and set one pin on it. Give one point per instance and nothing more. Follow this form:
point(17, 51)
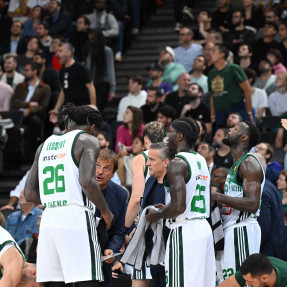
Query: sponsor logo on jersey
point(234, 170)
point(226, 210)
point(54, 156)
point(201, 177)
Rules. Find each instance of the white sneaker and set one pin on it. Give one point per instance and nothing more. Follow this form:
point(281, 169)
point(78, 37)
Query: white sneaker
point(177, 27)
point(135, 31)
point(118, 56)
point(186, 10)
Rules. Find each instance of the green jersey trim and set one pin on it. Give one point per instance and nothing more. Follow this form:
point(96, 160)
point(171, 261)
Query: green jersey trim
point(13, 242)
point(146, 167)
point(189, 168)
point(73, 147)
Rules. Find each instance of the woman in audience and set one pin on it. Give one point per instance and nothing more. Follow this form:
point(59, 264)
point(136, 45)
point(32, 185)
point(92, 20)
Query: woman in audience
point(278, 99)
point(275, 57)
point(30, 26)
point(126, 133)
point(100, 62)
point(282, 186)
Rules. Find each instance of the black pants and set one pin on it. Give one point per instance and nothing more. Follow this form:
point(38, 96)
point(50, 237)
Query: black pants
point(77, 284)
point(102, 93)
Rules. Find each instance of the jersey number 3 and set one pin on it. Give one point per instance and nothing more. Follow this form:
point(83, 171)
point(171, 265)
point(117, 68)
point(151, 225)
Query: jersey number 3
point(57, 180)
point(196, 200)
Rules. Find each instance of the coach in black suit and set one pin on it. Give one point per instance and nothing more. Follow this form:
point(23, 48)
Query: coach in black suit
point(116, 198)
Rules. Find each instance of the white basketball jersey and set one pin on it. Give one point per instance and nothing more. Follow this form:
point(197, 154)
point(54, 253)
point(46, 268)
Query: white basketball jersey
point(197, 188)
point(59, 173)
point(146, 171)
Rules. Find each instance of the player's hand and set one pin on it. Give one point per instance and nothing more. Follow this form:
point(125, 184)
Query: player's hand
point(152, 216)
point(6, 207)
point(159, 205)
point(109, 252)
point(108, 218)
point(117, 266)
point(53, 116)
point(284, 123)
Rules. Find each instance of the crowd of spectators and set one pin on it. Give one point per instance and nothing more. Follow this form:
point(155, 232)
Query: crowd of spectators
point(229, 67)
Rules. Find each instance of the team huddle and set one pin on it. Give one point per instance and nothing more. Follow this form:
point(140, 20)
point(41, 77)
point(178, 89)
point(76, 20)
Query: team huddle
point(63, 180)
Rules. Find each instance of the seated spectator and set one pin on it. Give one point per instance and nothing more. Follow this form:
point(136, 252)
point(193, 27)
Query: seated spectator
point(155, 73)
point(253, 15)
point(195, 108)
point(59, 21)
point(11, 76)
point(187, 51)
point(222, 16)
point(233, 119)
point(261, 46)
point(244, 56)
point(207, 151)
point(281, 137)
point(238, 33)
point(152, 105)
point(197, 76)
point(43, 34)
point(275, 57)
point(34, 45)
point(6, 93)
point(223, 156)
point(15, 43)
point(104, 21)
point(100, 63)
point(131, 128)
point(283, 37)
point(166, 115)
point(258, 96)
point(282, 186)
point(136, 96)
point(104, 140)
point(208, 48)
point(266, 150)
point(278, 99)
point(171, 70)
point(30, 26)
point(125, 163)
point(215, 37)
point(33, 97)
point(18, 9)
point(80, 38)
point(202, 132)
point(52, 60)
point(266, 79)
point(22, 224)
point(178, 98)
point(204, 19)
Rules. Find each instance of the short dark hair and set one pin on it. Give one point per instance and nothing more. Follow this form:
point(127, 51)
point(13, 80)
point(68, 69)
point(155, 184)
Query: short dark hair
point(81, 115)
point(105, 135)
point(45, 24)
point(257, 265)
point(276, 53)
point(253, 134)
point(225, 131)
point(250, 74)
point(137, 78)
point(165, 152)
point(157, 90)
point(235, 113)
point(242, 14)
point(34, 67)
point(274, 25)
point(109, 155)
point(168, 111)
point(245, 44)
point(210, 147)
point(200, 89)
point(154, 131)
point(283, 22)
point(86, 20)
point(224, 50)
point(205, 62)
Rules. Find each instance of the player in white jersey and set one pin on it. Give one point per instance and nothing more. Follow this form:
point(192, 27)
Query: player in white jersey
point(63, 177)
point(153, 132)
point(241, 201)
point(189, 259)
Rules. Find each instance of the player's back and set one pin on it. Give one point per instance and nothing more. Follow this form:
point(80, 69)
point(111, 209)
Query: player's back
point(59, 173)
point(197, 187)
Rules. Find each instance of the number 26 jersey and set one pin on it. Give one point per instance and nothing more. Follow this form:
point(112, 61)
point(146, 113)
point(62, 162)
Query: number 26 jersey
point(58, 172)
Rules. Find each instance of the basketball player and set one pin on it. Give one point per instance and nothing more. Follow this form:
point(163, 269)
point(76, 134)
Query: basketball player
point(240, 203)
point(63, 177)
point(189, 259)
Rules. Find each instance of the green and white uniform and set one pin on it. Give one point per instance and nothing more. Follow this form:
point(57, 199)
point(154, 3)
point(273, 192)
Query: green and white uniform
point(242, 233)
point(68, 248)
point(6, 242)
point(189, 259)
point(144, 273)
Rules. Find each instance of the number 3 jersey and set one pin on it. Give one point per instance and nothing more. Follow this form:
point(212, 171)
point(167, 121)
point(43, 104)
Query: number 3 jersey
point(58, 172)
point(233, 187)
point(197, 188)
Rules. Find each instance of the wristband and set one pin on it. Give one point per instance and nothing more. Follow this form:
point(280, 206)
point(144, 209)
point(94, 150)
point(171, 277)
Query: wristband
point(127, 230)
point(249, 113)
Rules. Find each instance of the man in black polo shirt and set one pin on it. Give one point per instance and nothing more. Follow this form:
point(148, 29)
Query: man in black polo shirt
point(77, 85)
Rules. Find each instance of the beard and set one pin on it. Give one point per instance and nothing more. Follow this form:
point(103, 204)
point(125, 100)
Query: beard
point(192, 97)
point(231, 141)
